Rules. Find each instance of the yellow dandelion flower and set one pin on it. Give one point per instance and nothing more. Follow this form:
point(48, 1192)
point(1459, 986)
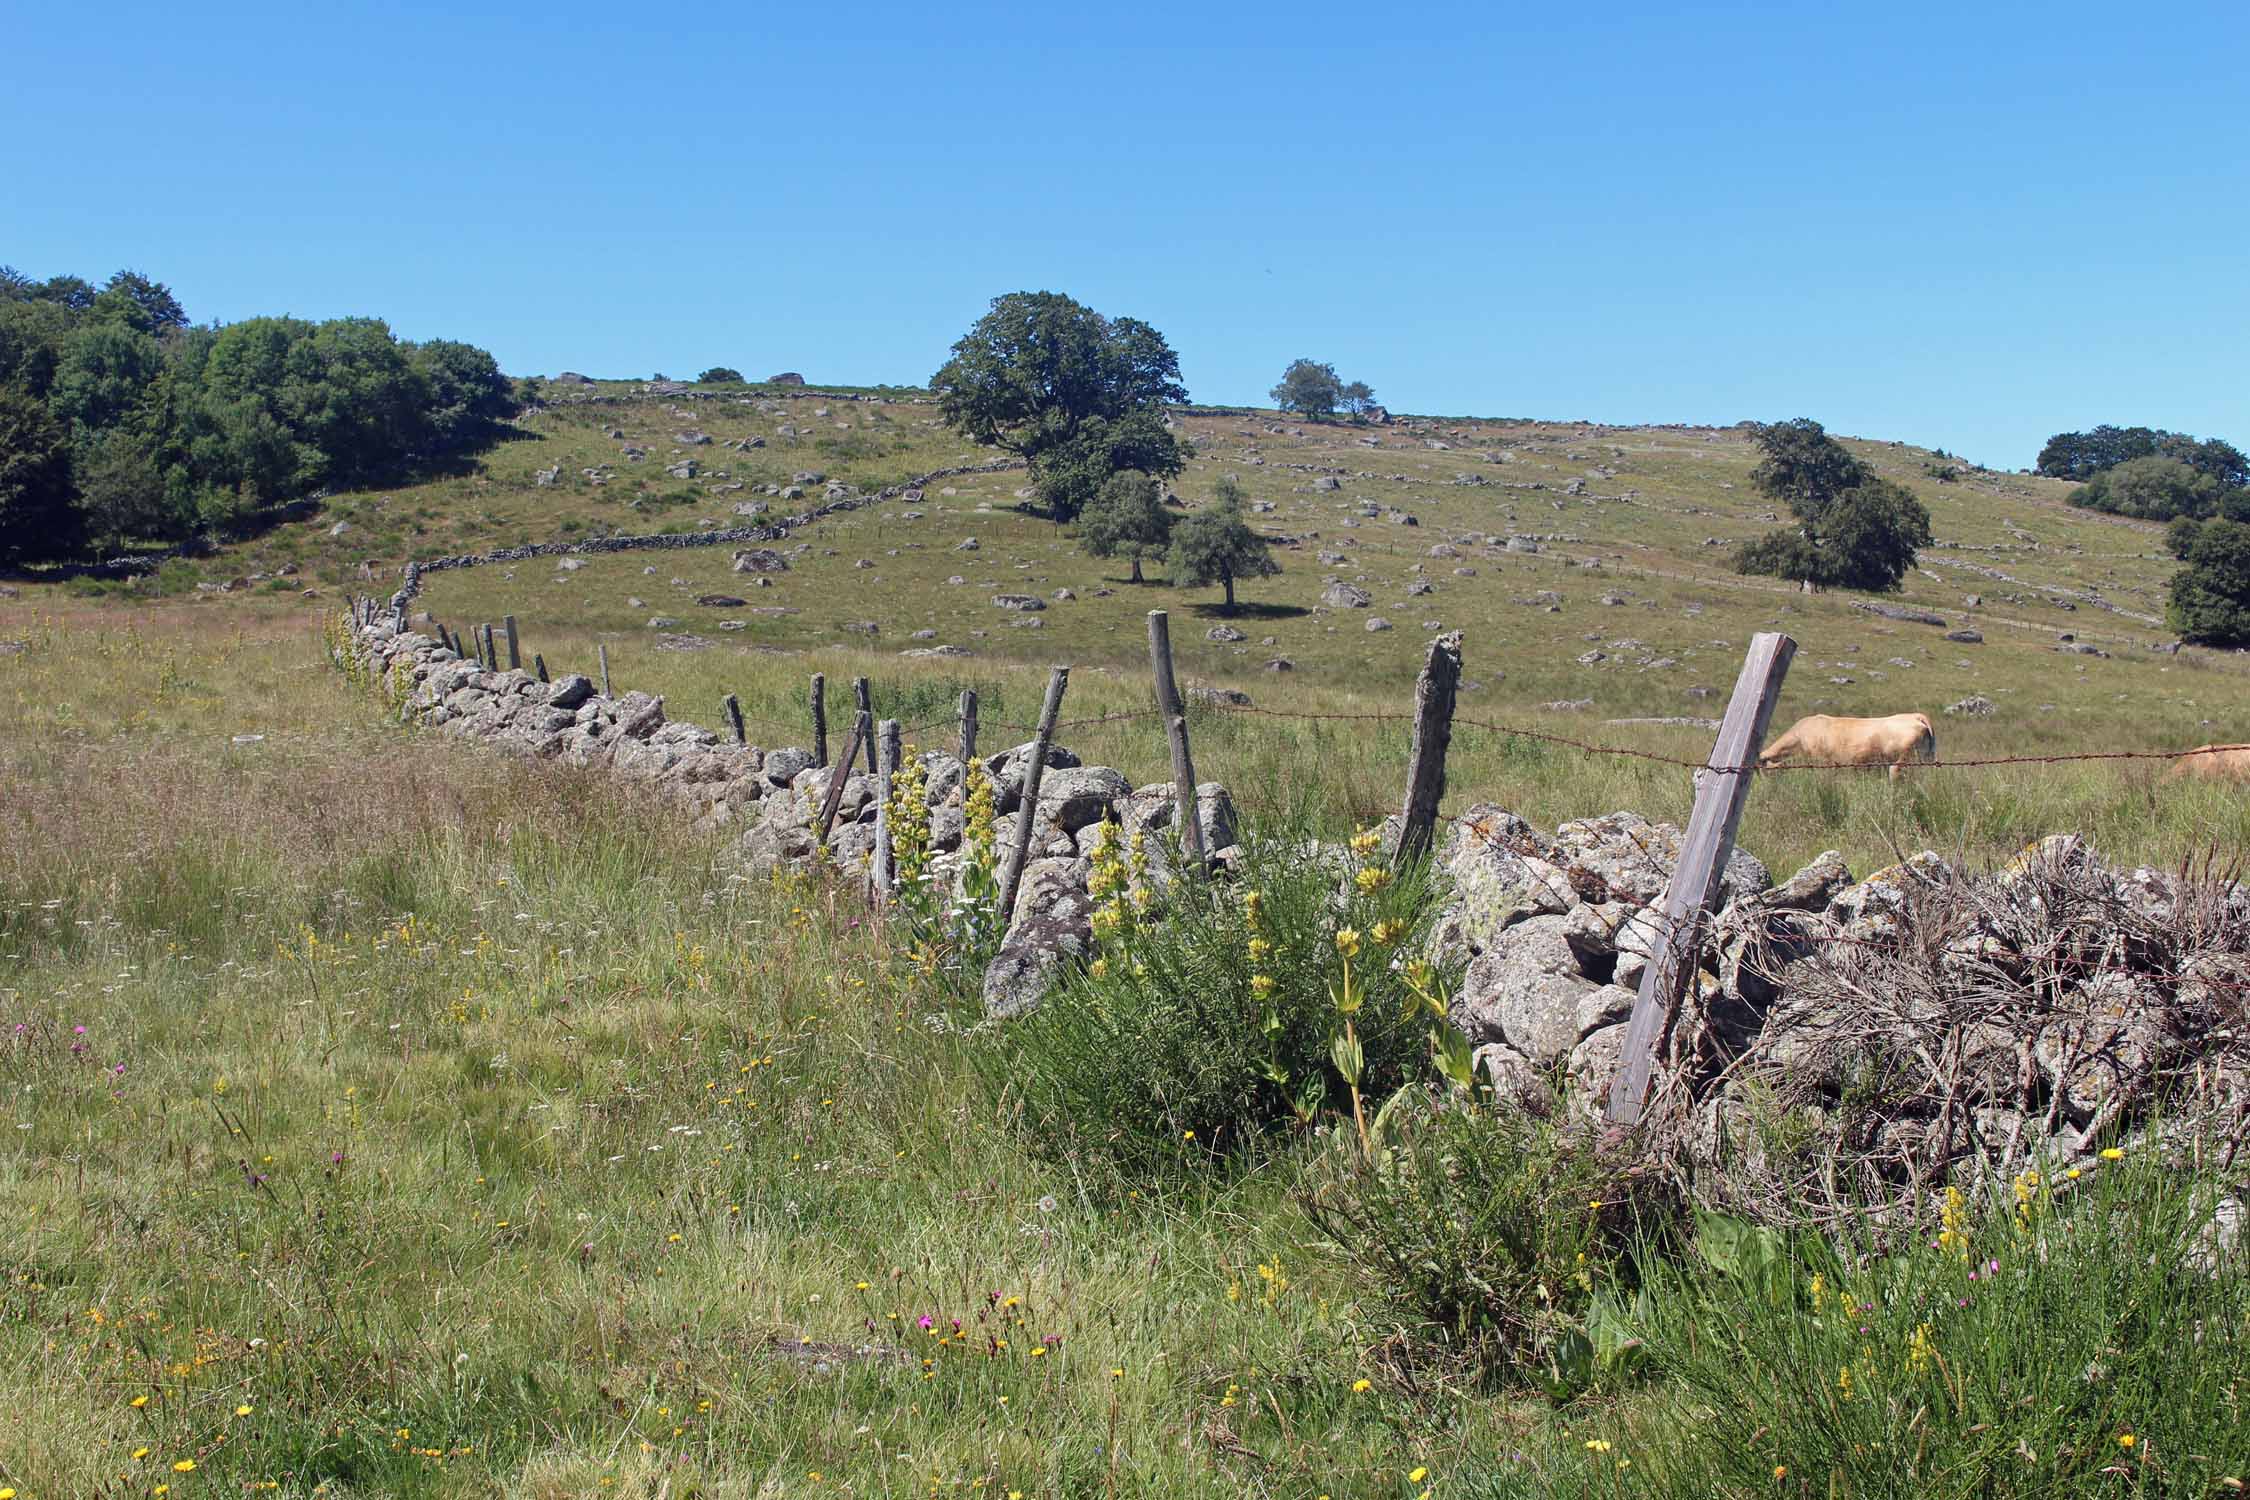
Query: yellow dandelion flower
point(184, 1466)
point(2126, 1440)
point(2112, 1153)
point(139, 1401)
point(1419, 1473)
point(1363, 1385)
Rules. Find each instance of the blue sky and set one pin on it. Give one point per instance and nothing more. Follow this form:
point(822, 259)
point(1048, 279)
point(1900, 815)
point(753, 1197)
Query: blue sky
point(1963, 225)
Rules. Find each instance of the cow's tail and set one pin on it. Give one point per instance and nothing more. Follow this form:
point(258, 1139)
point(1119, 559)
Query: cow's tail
point(1925, 747)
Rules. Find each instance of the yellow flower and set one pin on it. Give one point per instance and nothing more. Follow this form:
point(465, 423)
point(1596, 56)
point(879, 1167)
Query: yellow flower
point(1418, 1474)
point(1261, 985)
point(2112, 1153)
point(1367, 841)
point(1363, 1386)
point(1387, 932)
point(1597, 1445)
point(140, 1453)
point(1781, 1471)
point(139, 1401)
point(1187, 1135)
point(1347, 941)
point(1259, 949)
point(185, 1465)
point(1099, 968)
point(2125, 1440)
point(1372, 878)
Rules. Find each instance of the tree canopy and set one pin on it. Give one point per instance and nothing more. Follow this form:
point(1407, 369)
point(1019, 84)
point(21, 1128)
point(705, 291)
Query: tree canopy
point(720, 375)
point(164, 428)
point(2210, 595)
point(2083, 455)
point(1076, 395)
point(1314, 391)
point(1854, 530)
point(1216, 545)
point(2157, 488)
point(1126, 518)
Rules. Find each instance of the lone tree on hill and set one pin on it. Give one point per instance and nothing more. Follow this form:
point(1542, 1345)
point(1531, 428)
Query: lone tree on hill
point(1309, 389)
point(1079, 397)
point(1855, 531)
point(719, 375)
point(2210, 598)
point(1128, 518)
point(1359, 398)
point(2155, 488)
point(1216, 545)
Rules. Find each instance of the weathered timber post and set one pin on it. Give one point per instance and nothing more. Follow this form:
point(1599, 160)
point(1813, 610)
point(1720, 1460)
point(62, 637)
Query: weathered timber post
point(491, 651)
point(539, 666)
point(968, 726)
point(886, 761)
point(1724, 788)
point(1187, 819)
point(602, 652)
point(734, 719)
point(515, 649)
point(864, 698)
point(840, 774)
point(819, 719)
point(1433, 734)
point(1027, 808)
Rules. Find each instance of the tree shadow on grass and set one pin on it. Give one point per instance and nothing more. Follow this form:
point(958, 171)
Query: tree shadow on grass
point(1217, 610)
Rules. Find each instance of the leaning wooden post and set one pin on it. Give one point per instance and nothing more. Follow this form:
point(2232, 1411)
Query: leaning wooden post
point(1187, 819)
point(515, 650)
point(1027, 809)
point(838, 776)
point(864, 698)
point(1724, 788)
point(968, 725)
point(819, 719)
point(603, 653)
point(491, 651)
point(734, 719)
point(886, 761)
point(539, 666)
point(1433, 734)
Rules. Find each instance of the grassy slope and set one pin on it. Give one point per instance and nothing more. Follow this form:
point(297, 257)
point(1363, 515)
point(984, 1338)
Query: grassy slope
point(1656, 496)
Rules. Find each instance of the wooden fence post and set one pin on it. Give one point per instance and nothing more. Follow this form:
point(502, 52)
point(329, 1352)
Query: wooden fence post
point(1724, 788)
point(491, 650)
point(539, 666)
point(515, 650)
point(603, 653)
point(819, 719)
point(887, 743)
point(1433, 734)
point(968, 726)
point(864, 698)
point(734, 720)
point(1187, 819)
point(840, 774)
point(1027, 808)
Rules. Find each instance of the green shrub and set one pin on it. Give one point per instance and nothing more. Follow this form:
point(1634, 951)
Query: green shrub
point(2049, 1343)
point(1482, 1236)
point(1213, 1015)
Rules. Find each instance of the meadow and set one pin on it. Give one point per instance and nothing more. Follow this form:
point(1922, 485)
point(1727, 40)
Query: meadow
point(385, 1117)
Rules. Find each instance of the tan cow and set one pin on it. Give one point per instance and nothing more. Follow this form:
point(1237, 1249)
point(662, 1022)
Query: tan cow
point(1827, 739)
point(2212, 763)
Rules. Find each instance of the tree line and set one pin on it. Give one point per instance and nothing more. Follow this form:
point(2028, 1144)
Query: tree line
point(122, 423)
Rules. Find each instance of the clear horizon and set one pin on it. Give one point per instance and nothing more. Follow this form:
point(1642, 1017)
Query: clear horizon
point(1961, 231)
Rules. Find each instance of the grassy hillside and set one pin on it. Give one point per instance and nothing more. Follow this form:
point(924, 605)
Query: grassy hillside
point(1627, 608)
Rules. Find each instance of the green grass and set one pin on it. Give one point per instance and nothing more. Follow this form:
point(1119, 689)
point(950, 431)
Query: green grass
point(481, 1134)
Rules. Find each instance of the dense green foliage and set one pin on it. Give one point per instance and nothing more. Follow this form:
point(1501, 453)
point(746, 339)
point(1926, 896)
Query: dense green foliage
point(166, 429)
point(1314, 390)
point(719, 375)
point(1126, 519)
point(2082, 455)
point(1078, 396)
point(2158, 489)
point(1855, 531)
point(2210, 598)
point(1216, 545)
point(1211, 1016)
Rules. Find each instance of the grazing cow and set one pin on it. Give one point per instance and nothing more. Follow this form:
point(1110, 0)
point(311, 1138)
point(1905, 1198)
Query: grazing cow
point(2212, 763)
point(1891, 741)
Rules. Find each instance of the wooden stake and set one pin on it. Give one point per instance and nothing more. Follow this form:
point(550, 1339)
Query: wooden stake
point(865, 699)
point(734, 720)
point(1724, 788)
point(1433, 733)
point(968, 726)
point(819, 719)
point(515, 652)
point(887, 742)
point(839, 775)
point(1027, 809)
point(1187, 819)
point(539, 666)
point(603, 653)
